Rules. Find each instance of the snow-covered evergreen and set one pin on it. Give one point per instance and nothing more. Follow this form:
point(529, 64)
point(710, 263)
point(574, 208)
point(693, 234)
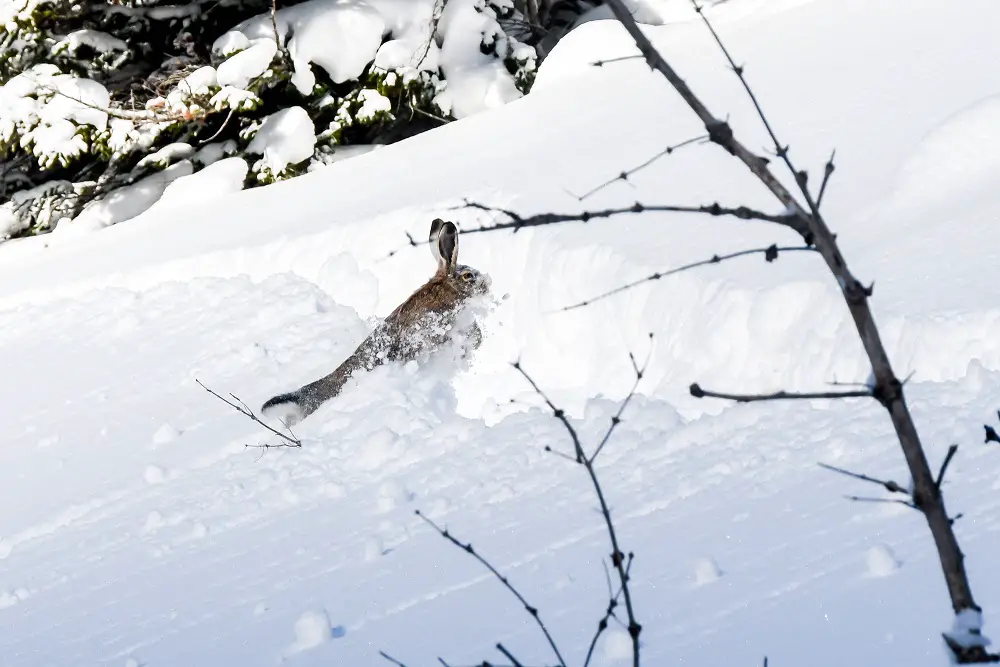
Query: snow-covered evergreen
point(102, 103)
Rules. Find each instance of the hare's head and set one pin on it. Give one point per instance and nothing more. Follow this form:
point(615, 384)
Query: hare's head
point(444, 246)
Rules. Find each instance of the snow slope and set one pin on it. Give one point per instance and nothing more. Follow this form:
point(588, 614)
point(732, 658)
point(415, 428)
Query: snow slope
point(137, 529)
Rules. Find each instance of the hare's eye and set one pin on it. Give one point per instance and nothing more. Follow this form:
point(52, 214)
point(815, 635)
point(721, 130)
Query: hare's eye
point(466, 275)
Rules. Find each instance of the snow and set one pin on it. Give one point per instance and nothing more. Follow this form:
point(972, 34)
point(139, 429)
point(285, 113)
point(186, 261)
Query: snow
point(95, 39)
point(103, 335)
point(372, 104)
point(167, 155)
point(311, 629)
point(47, 108)
point(476, 81)
point(286, 137)
point(881, 561)
point(706, 570)
point(239, 70)
point(341, 36)
point(233, 98)
point(344, 36)
point(124, 203)
point(215, 180)
point(966, 631)
point(342, 40)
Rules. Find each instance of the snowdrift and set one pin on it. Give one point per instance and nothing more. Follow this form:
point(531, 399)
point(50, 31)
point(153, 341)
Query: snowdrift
point(138, 528)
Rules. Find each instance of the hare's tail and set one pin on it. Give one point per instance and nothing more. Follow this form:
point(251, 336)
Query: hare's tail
point(290, 408)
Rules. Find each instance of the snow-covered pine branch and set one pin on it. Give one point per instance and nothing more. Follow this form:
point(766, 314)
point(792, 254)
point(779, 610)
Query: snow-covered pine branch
point(90, 91)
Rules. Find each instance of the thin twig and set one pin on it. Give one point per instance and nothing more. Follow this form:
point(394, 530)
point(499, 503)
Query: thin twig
point(391, 659)
point(801, 177)
point(274, 27)
point(145, 116)
point(944, 465)
point(770, 254)
point(517, 222)
point(507, 654)
point(890, 486)
point(618, 558)
point(827, 172)
point(229, 117)
point(617, 418)
point(243, 409)
point(608, 61)
point(609, 613)
point(867, 499)
point(698, 392)
point(556, 412)
point(532, 611)
point(624, 175)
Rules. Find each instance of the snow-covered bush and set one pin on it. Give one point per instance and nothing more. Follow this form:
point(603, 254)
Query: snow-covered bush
point(98, 98)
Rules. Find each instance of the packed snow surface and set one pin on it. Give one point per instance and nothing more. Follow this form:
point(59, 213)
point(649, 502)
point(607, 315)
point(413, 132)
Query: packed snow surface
point(142, 525)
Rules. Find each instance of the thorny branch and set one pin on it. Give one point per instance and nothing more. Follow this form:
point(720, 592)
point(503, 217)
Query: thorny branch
point(468, 548)
point(244, 409)
point(770, 254)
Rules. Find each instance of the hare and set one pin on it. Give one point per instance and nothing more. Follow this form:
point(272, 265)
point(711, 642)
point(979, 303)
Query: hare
point(421, 323)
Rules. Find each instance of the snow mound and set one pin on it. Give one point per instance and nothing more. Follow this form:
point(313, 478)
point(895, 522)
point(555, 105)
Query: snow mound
point(706, 570)
point(285, 138)
point(312, 629)
point(881, 561)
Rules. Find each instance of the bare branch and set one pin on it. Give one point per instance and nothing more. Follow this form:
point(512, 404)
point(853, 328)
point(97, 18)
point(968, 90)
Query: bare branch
point(624, 176)
point(770, 254)
point(618, 559)
point(222, 127)
point(507, 654)
point(243, 409)
point(719, 132)
point(827, 172)
point(557, 413)
point(617, 419)
point(145, 115)
point(890, 486)
point(608, 61)
point(532, 611)
point(602, 624)
point(274, 27)
point(391, 659)
point(944, 465)
point(517, 222)
point(991, 434)
point(866, 499)
point(698, 392)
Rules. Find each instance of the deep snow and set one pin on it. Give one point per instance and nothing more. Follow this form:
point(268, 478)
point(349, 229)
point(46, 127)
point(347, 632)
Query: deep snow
point(137, 527)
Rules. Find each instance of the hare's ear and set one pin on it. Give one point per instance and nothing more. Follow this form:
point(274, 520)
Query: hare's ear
point(444, 244)
point(432, 240)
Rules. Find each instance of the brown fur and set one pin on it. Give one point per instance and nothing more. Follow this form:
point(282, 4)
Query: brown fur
point(399, 338)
